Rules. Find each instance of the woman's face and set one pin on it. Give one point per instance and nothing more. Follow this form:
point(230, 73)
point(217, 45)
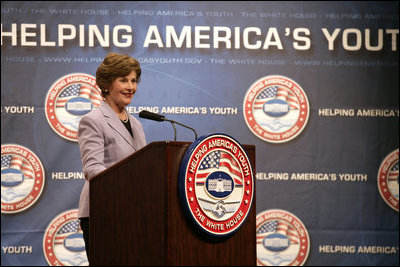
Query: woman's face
point(122, 90)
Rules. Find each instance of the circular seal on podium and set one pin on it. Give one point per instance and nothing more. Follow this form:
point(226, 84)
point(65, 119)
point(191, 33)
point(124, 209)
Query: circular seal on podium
point(216, 184)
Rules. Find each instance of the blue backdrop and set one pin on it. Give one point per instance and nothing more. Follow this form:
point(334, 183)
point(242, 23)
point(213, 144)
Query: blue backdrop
point(313, 85)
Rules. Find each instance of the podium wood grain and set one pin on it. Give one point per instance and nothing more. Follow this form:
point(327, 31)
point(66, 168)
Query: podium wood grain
point(136, 217)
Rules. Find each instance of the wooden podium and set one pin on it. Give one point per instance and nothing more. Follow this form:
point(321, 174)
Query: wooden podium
point(136, 217)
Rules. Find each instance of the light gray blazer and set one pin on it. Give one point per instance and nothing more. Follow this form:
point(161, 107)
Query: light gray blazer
point(103, 141)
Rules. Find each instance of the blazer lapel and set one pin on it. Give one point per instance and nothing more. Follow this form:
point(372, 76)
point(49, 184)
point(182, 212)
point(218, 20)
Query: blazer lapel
point(115, 123)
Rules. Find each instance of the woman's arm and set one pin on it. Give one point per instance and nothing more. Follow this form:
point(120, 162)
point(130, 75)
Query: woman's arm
point(91, 145)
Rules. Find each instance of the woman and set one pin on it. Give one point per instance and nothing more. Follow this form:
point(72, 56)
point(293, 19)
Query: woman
point(109, 133)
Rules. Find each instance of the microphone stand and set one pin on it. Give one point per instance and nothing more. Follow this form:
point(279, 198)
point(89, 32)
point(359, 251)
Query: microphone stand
point(156, 117)
point(173, 125)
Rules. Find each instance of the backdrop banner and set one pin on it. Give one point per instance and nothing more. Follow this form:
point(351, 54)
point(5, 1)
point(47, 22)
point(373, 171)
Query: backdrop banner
point(313, 85)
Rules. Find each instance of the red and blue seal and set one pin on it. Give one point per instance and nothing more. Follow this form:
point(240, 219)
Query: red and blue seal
point(216, 184)
point(388, 179)
point(22, 178)
point(276, 109)
point(68, 99)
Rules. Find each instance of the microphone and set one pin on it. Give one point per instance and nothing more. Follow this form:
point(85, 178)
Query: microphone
point(157, 117)
point(151, 116)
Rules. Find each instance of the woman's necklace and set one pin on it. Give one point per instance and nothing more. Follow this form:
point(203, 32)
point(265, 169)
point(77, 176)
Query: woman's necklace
point(126, 120)
point(126, 114)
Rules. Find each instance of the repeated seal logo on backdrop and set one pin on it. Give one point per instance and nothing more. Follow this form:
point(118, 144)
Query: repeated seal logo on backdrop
point(216, 184)
point(276, 109)
point(388, 179)
point(68, 99)
point(282, 239)
point(63, 242)
point(22, 178)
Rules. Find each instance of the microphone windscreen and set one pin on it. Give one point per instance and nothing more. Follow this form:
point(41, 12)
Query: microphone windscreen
point(151, 116)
